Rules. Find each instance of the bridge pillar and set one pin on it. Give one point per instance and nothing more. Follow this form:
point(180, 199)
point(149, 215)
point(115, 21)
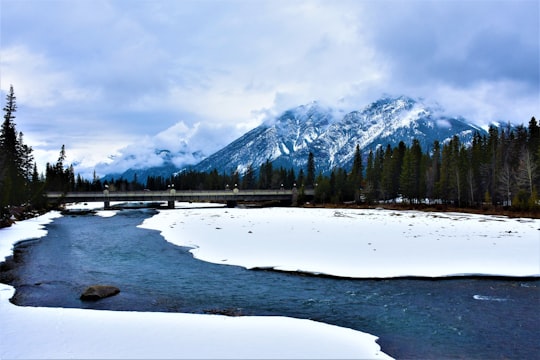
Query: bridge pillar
point(107, 202)
point(294, 199)
point(172, 193)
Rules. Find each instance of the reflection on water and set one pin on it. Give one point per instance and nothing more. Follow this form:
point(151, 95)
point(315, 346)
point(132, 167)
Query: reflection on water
point(452, 318)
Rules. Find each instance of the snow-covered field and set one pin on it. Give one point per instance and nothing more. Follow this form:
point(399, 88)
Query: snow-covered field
point(356, 243)
point(350, 243)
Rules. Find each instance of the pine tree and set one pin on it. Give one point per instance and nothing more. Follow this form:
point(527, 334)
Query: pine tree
point(248, 181)
point(490, 168)
point(15, 157)
point(310, 175)
point(265, 175)
point(411, 181)
point(476, 154)
point(369, 188)
point(534, 147)
point(357, 168)
point(433, 172)
point(322, 189)
point(387, 175)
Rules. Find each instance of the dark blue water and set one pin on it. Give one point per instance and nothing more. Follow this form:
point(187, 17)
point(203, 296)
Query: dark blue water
point(466, 318)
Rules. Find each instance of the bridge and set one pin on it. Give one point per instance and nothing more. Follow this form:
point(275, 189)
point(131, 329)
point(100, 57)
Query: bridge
point(231, 197)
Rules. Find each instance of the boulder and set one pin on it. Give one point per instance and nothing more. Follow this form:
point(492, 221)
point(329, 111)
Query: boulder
point(96, 292)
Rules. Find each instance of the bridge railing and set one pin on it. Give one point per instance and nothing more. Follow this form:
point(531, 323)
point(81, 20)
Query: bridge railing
point(177, 195)
point(166, 193)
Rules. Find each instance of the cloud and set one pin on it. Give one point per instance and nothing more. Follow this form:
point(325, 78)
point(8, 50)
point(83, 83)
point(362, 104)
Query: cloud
point(99, 74)
point(181, 144)
point(486, 51)
point(38, 82)
point(490, 101)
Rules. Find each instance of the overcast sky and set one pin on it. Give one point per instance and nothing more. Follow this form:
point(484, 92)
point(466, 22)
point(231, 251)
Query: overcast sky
point(109, 77)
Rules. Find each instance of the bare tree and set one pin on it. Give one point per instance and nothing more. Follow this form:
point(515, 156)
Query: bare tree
point(526, 172)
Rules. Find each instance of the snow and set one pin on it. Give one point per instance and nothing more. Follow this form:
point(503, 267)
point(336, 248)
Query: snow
point(355, 242)
point(46, 333)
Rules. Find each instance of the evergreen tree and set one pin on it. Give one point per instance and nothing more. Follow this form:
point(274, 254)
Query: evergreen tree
point(265, 175)
point(58, 176)
point(476, 160)
point(248, 180)
point(353, 187)
point(490, 168)
point(433, 172)
point(534, 147)
point(301, 178)
point(369, 188)
point(291, 179)
point(15, 159)
point(310, 174)
point(322, 189)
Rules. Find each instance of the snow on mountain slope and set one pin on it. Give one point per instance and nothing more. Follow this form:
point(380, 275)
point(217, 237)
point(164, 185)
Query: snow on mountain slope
point(291, 133)
point(332, 138)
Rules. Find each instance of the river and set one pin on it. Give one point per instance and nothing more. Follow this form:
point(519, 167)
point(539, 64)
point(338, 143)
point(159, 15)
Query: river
point(473, 318)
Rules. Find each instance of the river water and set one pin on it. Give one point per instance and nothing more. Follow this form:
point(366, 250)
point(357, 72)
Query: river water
point(471, 318)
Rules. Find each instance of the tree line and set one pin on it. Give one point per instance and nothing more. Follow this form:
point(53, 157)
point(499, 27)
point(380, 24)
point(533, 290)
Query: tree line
point(500, 168)
point(22, 188)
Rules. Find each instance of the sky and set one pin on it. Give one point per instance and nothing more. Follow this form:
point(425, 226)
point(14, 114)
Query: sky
point(113, 80)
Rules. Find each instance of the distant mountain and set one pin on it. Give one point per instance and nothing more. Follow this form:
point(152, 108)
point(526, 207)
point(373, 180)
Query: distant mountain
point(166, 164)
point(332, 135)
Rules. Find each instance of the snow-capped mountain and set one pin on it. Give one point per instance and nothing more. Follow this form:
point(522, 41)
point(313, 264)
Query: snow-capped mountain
point(332, 135)
point(280, 140)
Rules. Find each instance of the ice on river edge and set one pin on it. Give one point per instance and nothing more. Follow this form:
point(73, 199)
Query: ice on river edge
point(47, 333)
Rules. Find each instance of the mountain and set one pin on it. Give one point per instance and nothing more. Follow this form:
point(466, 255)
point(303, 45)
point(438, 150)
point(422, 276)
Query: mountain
point(332, 135)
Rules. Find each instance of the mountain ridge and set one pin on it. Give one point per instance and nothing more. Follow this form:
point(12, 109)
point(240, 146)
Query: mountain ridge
point(333, 138)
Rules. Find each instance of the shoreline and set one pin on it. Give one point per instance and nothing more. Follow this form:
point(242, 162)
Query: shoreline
point(406, 277)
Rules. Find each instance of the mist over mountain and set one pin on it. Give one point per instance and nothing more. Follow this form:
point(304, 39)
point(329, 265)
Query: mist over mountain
point(331, 134)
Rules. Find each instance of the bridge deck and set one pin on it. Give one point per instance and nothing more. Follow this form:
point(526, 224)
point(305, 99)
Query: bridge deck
point(203, 195)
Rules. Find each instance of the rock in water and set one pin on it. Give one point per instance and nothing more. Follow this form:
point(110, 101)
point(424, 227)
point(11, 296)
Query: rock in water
point(96, 292)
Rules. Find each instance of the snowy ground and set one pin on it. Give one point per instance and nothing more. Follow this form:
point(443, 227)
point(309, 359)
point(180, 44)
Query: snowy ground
point(356, 243)
point(47, 333)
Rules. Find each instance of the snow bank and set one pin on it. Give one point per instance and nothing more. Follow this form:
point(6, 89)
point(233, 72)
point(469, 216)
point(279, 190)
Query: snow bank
point(23, 230)
point(356, 243)
point(46, 333)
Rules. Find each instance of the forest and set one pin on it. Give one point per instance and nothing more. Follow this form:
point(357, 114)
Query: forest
point(497, 170)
